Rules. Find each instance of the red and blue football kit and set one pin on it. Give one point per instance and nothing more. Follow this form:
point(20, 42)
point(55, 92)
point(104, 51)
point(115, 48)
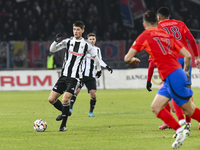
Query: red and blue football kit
point(163, 49)
point(180, 31)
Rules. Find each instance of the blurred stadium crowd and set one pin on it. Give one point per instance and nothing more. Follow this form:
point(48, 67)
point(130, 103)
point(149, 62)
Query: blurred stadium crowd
point(40, 20)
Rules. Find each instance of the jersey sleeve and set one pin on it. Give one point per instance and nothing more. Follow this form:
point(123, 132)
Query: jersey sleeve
point(91, 50)
point(102, 63)
point(138, 44)
point(192, 41)
point(150, 70)
point(58, 46)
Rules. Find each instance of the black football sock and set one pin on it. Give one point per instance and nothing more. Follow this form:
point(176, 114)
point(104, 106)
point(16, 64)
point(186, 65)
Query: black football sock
point(58, 105)
point(72, 101)
point(65, 113)
point(92, 104)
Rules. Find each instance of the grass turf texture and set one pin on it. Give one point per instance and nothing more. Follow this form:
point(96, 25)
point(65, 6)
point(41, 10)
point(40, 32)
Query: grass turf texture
point(123, 121)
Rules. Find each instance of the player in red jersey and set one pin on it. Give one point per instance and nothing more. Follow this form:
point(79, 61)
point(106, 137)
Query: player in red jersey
point(163, 48)
point(180, 31)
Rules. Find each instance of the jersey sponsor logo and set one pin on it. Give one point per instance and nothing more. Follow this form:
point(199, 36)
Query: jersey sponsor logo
point(76, 54)
point(89, 57)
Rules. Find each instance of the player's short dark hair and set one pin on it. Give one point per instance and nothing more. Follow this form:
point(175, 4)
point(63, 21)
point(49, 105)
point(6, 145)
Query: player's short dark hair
point(163, 11)
point(150, 17)
point(91, 34)
point(79, 24)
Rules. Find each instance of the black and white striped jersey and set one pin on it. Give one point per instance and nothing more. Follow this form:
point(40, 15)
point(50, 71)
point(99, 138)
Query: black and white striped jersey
point(76, 51)
point(89, 64)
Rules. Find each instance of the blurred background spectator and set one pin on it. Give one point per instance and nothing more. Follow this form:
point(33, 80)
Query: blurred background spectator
point(40, 20)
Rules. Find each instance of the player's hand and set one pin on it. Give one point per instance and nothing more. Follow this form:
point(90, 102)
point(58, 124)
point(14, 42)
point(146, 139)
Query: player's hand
point(148, 86)
point(98, 74)
point(109, 69)
point(197, 63)
point(58, 38)
point(135, 61)
point(187, 74)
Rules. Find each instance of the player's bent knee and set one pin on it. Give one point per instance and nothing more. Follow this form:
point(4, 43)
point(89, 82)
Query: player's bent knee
point(93, 93)
point(155, 109)
point(51, 100)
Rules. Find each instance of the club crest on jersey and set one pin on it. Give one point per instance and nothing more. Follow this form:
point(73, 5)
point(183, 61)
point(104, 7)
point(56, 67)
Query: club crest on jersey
point(75, 53)
point(71, 45)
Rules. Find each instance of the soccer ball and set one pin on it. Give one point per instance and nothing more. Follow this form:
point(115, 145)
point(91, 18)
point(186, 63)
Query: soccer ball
point(40, 125)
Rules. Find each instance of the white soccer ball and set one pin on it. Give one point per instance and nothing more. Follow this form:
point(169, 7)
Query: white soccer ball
point(40, 125)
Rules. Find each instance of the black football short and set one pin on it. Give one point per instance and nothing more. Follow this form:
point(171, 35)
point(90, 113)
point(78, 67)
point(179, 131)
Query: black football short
point(65, 84)
point(90, 83)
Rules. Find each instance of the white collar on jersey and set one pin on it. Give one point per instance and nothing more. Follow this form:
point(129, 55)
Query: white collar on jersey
point(78, 40)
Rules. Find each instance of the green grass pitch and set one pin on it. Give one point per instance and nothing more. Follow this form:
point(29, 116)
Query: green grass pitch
point(123, 121)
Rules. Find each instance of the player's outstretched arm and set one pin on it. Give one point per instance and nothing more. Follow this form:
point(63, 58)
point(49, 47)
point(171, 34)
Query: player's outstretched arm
point(56, 45)
point(193, 44)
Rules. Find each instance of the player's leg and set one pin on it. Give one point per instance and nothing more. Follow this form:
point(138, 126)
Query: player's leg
point(158, 108)
point(73, 98)
point(53, 99)
point(160, 100)
point(191, 111)
point(71, 85)
point(189, 82)
point(187, 118)
point(179, 113)
point(92, 103)
point(165, 125)
point(90, 83)
point(57, 90)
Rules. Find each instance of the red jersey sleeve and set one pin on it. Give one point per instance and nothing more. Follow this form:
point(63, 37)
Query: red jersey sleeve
point(192, 41)
point(139, 43)
point(150, 70)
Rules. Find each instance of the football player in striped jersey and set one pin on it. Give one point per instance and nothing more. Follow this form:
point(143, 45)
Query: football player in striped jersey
point(89, 76)
point(76, 49)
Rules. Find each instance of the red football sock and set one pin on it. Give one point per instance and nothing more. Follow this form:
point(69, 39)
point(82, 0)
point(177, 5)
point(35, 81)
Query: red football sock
point(196, 114)
point(178, 111)
point(169, 119)
point(188, 119)
point(168, 107)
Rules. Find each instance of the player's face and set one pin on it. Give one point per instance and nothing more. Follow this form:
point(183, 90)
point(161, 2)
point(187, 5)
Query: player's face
point(78, 32)
point(92, 39)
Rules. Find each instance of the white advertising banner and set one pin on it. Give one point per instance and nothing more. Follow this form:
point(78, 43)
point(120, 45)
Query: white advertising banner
point(126, 79)
point(32, 80)
point(119, 79)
